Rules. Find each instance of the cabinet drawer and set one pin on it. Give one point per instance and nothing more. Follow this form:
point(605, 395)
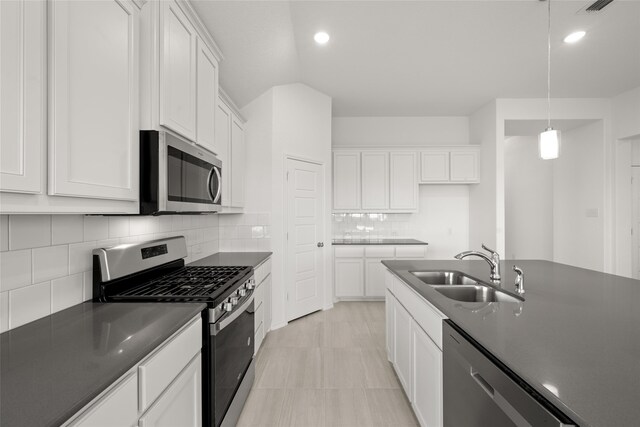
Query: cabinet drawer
point(157, 372)
point(259, 317)
point(258, 337)
point(262, 271)
point(411, 252)
point(349, 252)
point(379, 251)
point(258, 296)
point(119, 406)
point(427, 316)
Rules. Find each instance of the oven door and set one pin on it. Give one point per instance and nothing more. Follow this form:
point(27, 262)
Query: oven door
point(232, 351)
point(190, 177)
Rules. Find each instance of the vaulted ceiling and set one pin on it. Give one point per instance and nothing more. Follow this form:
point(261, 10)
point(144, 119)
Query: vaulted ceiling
point(423, 58)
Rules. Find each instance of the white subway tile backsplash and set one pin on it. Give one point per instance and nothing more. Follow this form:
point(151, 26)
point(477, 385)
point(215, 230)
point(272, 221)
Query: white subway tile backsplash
point(66, 292)
point(96, 228)
point(139, 225)
point(29, 231)
point(50, 262)
point(15, 269)
point(80, 257)
point(118, 227)
point(4, 233)
point(87, 285)
point(257, 232)
point(67, 229)
point(4, 311)
point(244, 232)
point(29, 303)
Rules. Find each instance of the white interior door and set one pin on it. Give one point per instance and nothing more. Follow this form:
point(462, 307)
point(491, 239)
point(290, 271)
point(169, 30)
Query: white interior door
point(635, 202)
point(305, 232)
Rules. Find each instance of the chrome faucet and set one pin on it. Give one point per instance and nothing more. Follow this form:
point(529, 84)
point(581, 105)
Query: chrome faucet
point(519, 279)
point(493, 260)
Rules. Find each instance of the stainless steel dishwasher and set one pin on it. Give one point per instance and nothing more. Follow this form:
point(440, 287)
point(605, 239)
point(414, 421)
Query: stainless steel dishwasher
point(479, 391)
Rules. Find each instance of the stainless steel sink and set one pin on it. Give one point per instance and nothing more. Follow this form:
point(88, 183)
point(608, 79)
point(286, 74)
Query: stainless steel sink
point(444, 278)
point(475, 293)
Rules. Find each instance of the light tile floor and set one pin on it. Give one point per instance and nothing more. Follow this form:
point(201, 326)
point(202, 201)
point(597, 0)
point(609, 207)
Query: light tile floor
point(328, 369)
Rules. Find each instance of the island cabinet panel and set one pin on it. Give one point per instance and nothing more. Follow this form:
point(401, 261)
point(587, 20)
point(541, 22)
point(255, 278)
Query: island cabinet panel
point(23, 121)
point(375, 180)
point(426, 393)
point(346, 180)
point(402, 345)
point(93, 99)
point(177, 71)
point(181, 403)
point(403, 181)
point(117, 407)
point(390, 326)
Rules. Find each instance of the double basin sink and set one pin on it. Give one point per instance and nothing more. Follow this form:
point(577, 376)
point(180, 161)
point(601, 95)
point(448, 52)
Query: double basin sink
point(460, 287)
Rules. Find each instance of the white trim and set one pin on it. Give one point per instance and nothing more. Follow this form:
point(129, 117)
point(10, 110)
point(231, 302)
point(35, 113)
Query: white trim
point(201, 29)
point(224, 97)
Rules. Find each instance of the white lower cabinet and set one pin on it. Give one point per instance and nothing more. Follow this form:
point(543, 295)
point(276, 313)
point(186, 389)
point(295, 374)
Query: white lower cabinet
point(349, 277)
point(181, 403)
point(415, 354)
point(262, 303)
point(426, 392)
point(164, 389)
point(402, 345)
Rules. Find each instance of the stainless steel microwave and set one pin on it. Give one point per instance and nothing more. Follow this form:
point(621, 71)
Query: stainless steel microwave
point(176, 176)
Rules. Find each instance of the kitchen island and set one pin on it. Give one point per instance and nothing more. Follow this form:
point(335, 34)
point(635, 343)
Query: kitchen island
point(574, 338)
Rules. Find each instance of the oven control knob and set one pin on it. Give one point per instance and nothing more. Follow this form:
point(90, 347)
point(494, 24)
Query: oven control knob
point(251, 284)
point(242, 292)
point(233, 300)
point(227, 306)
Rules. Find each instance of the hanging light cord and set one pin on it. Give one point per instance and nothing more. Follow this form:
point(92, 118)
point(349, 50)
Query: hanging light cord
point(549, 65)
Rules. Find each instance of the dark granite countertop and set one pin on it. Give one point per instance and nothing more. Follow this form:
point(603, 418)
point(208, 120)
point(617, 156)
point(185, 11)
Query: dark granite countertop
point(377, 242)
point(253, 259)
point(575, 338)
point(53, 367)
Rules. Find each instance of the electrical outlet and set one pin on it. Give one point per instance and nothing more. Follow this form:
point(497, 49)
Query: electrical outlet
point(593, 213)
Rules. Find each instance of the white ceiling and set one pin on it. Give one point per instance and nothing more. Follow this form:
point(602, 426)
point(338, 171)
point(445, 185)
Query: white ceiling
point(423, 58)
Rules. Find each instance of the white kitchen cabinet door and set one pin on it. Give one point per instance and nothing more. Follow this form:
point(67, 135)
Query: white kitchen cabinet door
point(389, 302)
point(238, 162)
point(181, 403)
point(177, 71)
point(207, 98)
point(93, 99)
point(375, 180)
point(464, 166)
point(427, 378)
point(349, 277)
point(403, 181)
point(118, 407)
point(346, 180)
point(267, 304)
point(402, 346)
point(23, 121)
point(223, 143)
point(434, 166)
point(374, 277)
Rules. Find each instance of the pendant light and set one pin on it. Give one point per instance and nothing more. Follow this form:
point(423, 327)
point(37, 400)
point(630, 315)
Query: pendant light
point(549, 140)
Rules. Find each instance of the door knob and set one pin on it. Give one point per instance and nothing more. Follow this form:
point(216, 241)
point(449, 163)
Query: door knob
point(321, 244)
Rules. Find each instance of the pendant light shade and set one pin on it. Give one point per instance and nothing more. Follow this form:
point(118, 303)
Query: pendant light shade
point(549, 140)
point(549, 144)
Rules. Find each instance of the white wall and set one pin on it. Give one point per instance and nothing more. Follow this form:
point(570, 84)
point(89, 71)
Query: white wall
point(579, 198)
point(400, 131)
point(625, 110)
point(289, 120)
point(528, 201)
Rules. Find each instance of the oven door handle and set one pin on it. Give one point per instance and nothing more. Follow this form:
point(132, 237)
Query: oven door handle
point(220, 325)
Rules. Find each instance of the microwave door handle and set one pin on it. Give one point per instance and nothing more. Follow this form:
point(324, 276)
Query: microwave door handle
point(216, 199)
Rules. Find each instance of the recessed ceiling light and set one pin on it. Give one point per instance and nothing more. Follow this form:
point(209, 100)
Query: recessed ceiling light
point(574, 37)
point(321, 37)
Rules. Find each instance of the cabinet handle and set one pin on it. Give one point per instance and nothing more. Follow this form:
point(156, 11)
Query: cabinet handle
point(321, 244)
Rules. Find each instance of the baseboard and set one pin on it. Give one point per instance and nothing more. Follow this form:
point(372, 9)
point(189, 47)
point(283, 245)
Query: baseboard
point(351, 299)
point(278, 326)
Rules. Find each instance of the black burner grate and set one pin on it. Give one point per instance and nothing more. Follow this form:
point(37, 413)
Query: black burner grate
point(188, 283)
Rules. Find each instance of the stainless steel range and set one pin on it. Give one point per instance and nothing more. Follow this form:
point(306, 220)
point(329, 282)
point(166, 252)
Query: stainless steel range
point(155, 271)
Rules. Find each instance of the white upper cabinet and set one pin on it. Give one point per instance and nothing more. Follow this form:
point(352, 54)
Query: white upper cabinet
point(238, 162)
point(93, 99)
point(23, 120)
point(346, 180)
point(455, 165)
point(207, 97)
point(434, 166)
point(223, 142)
point(375, 180)
point(178, 41)
point(403, 181)
point(464, 166)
